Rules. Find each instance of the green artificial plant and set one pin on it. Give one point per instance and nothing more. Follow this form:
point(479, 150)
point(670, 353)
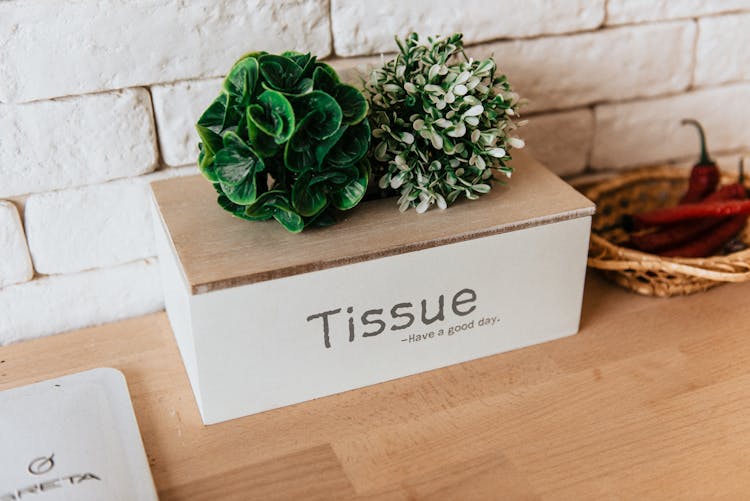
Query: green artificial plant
point(285, 139)
point(442, 122)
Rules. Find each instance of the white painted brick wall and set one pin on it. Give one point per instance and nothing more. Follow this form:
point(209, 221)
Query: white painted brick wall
point(95, 226)
point(562, 141)
point(60, 303)
point(636, 11)
point(93, 45)
point(723, 50)
point(367, 27)
point(646, 132)
point(15, 264)
point(177, 107)
point(91, 227)
point(74, 141)
point(608, 65)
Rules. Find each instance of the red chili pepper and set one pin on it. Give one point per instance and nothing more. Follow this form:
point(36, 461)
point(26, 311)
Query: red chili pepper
point(672, 235)
point(668, 215)
point(704, 177)
point(711, 242)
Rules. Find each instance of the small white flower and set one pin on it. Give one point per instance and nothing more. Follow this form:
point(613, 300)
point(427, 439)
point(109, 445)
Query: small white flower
point(460, 90)
point(410, 87)
point(516, 142)
point(418, 124)
point(497, 152)
point(407, 137)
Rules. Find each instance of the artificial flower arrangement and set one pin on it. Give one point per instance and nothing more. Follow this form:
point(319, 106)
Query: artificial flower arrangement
point(286, 139)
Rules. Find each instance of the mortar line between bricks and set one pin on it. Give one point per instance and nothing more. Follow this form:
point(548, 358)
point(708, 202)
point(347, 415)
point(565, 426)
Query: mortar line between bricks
point(727, 13)
point(544, 36)
point(160, 164)
point(694, 60)
point(605, 21)
point(330, 30)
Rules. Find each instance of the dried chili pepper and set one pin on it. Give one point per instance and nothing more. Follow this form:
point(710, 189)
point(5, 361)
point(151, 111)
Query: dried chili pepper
point(681, 233)
point(672, 235)
point(669, 215)
point(711, 242)
point(704, 177)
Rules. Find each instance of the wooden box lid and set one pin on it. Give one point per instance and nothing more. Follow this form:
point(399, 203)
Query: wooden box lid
point(218, 251)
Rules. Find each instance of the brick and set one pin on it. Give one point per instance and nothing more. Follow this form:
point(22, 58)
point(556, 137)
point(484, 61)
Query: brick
point(54, 304)
point(646, 132)
point(95, 226)
point(75, 141)
point(94, 45)
point(177, 108)
point(15, 264)
point(638, 11)
point(609, 65)
point(91, 227)
point(363, 27)
point(561, 141)
point(722, 53)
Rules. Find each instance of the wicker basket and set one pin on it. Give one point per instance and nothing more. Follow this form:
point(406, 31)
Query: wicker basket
point(645, 273)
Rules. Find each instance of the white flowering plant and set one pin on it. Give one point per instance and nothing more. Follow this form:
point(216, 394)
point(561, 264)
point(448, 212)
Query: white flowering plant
point(442, 123)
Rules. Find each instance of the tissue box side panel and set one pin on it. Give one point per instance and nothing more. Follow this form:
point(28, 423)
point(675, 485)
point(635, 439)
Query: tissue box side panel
point(284, 341)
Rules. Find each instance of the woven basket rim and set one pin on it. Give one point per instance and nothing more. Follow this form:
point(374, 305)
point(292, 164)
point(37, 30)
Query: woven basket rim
point(717, 268)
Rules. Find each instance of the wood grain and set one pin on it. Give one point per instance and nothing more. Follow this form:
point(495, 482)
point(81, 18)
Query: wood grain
point(649, 401)
point(219, 251)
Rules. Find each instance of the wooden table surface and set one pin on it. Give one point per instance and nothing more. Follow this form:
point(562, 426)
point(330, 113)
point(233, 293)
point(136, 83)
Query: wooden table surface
point(651, 400)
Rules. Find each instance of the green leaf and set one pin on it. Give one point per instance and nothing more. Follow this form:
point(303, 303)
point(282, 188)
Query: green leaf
point(275, 204)
point(353, 104)
point(351, 194)
point(228, 205)
point(305, 61)
point(210, 124)
point(206, 164)
point(299, 160)
point(307, 199)
point(236, 161)
point(280, 73)
point(261, 143)
point(320, 103)
point(322, 148)
point(264, 206)
point(325, 79)
point(242, 78)
point(352, 146)
point(242, 193)
point(289, 219)
point(334, 179)
point(273, 115)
